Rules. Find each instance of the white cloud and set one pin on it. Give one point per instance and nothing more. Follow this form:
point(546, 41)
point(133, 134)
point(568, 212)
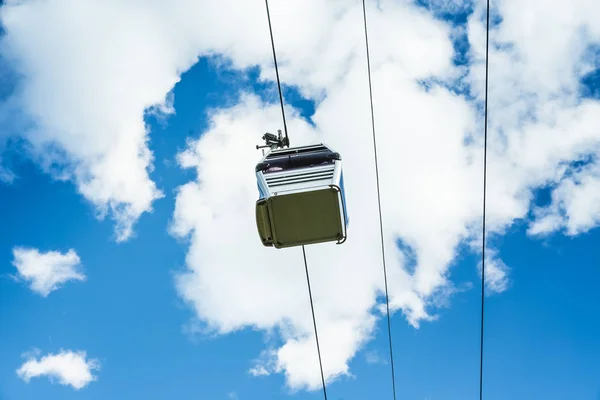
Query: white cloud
point(47, 271)
point(431, 178)
point(538, 122)
point(85, 87)
point(496, 278)
point(6, 175)
point(68, 367)
point(448, 6)
point(373, 357)
point(575, 204)
point(270, 285)
point(430, 144)
point(496, 273)
point(259, 370)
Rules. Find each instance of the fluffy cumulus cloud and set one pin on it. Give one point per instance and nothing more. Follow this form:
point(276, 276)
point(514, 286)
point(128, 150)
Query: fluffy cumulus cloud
point(47, 271)
point(68, 367)
point(430, 158)
point(430, 209)
point(88, 73)
point(87, 106)
point(575, 204)
point(6, 175)
point(496, 273)
point(543, 133)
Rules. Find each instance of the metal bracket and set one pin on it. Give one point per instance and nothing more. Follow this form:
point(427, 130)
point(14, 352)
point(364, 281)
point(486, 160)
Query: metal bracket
point(339, 190)
point(275, 142)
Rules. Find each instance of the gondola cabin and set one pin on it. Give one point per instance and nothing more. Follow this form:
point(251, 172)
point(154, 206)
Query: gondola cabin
point(302, 198)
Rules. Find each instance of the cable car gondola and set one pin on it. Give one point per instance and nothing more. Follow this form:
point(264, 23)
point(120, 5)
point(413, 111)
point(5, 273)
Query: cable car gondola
point(301, 194)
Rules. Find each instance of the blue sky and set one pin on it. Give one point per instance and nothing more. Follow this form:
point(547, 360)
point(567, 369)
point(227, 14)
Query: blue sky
point(130, 314)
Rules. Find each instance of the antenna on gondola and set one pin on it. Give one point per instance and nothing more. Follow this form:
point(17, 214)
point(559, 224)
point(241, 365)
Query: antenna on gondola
point(275, 142)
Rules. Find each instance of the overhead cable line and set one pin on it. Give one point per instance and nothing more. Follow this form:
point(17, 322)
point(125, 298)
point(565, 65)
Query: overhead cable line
point(314, 322)
point(276, 68)
point(303, 249)
point(485, 130)
point(387, 300)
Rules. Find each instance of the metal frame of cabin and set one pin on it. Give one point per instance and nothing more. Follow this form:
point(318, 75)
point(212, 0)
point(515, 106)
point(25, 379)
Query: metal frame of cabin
point(302, 198)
